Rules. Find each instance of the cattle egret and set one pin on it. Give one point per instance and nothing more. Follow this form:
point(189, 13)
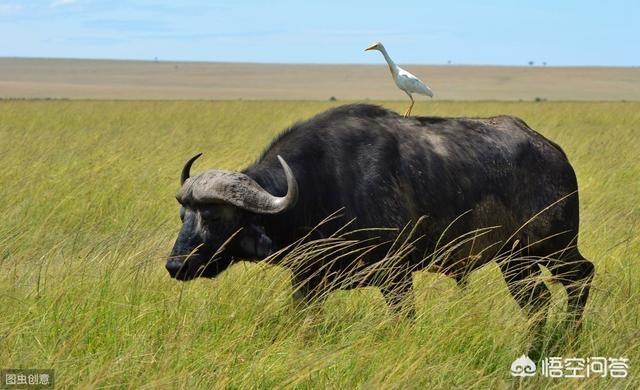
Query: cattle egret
point(404, 80)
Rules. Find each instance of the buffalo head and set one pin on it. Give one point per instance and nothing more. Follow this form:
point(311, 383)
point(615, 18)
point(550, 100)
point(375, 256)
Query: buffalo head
point(221, 213)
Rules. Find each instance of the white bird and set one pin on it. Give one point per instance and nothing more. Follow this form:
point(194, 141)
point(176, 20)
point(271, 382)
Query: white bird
point(404, 80)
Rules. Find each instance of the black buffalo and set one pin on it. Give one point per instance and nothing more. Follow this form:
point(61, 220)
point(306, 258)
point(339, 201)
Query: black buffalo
point(493, 179)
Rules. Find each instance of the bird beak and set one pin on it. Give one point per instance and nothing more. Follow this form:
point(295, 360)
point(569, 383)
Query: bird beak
point(372, 47)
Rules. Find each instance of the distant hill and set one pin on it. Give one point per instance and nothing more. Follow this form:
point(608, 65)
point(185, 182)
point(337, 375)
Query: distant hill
point(109, 79)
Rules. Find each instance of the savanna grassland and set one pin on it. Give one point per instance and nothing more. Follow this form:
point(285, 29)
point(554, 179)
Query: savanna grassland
point(89, 215)
point(171, 80)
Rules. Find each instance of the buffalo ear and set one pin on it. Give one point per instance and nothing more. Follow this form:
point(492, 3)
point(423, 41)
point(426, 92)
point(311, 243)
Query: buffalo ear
point(254, 242)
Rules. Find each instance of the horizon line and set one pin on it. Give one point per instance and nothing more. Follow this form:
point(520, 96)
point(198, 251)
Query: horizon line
point(158, 60)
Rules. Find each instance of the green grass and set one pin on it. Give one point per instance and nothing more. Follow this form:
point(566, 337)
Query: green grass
point(88, 216)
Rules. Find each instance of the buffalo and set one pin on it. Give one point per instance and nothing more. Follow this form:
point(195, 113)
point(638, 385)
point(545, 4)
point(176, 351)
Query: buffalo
point(509, 190)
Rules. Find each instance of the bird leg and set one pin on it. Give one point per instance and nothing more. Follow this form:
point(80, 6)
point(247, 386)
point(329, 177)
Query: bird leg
point(408, 112)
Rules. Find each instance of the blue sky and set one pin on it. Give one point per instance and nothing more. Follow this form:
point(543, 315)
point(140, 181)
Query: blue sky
point(505, 32)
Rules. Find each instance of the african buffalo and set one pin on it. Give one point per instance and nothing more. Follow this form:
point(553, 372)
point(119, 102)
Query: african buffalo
point(496, 177)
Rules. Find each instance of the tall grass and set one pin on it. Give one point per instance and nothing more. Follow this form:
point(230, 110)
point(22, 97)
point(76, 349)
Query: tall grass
point(88, 216)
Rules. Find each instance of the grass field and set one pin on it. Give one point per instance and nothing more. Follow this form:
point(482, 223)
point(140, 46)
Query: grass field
point(89, 215)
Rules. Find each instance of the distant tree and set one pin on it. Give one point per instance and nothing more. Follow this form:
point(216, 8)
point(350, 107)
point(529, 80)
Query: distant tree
point(449, 62)
point(531, 63)
point(332, 99)
point(544, 63)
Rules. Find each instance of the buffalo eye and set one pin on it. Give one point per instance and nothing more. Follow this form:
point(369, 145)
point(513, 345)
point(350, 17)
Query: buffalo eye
point(182, 213)
point(208, 214)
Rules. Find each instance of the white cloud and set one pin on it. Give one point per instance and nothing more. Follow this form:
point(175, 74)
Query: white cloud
point(62, 3)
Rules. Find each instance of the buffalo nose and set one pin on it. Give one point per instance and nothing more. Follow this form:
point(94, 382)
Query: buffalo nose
point(173, 266)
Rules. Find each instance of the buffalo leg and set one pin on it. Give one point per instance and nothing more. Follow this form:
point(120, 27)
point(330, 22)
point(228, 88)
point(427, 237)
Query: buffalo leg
point(462, 280)
point(306, 293)
point(399, 295)
point(575, 273)
point(532, 295)
point(302, 295)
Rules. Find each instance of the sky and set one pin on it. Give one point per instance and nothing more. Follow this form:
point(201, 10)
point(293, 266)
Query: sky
point(500, 32)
